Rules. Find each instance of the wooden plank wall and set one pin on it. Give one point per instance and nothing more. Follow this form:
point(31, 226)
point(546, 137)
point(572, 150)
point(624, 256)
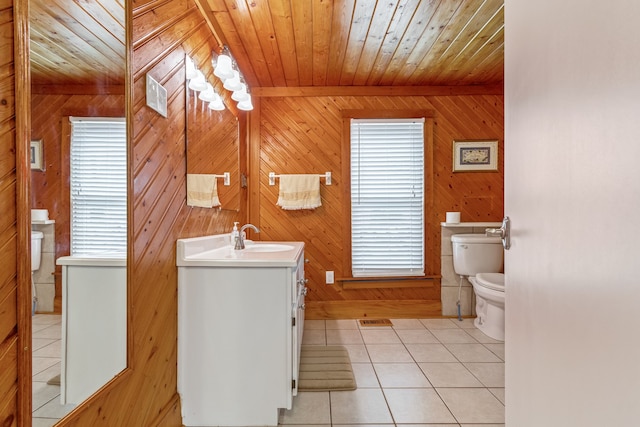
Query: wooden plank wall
point(15, 363)
point(50, 188)
point(145, 395)
point(303, 135)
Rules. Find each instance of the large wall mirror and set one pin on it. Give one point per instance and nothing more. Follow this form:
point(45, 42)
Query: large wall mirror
point(213, 146)
point(78, 64)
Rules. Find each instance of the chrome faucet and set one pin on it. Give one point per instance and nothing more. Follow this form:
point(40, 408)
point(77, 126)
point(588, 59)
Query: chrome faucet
point(240, 238)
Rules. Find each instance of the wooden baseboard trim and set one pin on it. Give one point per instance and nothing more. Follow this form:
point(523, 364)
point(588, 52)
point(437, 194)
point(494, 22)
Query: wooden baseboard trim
point(358, 309)
point(169, 414)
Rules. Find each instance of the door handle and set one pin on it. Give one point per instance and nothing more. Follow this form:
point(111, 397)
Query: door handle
point(504, 232)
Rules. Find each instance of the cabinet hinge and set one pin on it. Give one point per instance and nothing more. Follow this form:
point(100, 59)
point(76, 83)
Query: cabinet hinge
point(293, 384)
point(293, 321)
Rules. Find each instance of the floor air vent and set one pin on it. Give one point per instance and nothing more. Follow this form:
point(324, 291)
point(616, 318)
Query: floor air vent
point(375, 322)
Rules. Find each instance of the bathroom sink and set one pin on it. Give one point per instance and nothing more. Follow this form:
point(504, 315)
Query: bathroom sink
point(215, 251)
point(267, 247)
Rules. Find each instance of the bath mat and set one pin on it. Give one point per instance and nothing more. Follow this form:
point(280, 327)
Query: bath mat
point(55, 380)
point(325, 368)
point(375, 322)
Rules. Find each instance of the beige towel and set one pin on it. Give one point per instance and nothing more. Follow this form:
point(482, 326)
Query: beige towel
point(202, 190)
point(299, 192)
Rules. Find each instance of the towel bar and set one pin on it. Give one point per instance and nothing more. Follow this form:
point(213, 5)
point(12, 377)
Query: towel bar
point(273, 176)
point(226, 176)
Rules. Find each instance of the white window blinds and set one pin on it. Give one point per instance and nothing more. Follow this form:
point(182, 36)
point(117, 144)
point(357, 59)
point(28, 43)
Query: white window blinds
point(387, 197)
point(98, 185)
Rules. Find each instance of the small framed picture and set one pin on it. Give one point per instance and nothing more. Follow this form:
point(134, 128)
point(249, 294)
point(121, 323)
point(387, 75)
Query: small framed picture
point(37, 161)
point(475, 156)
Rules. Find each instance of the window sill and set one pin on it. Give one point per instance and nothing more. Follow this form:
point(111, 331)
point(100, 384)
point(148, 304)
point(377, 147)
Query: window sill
point(389, 282)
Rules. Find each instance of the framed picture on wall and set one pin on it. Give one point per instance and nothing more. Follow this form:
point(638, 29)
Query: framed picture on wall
point(37, 162)
point(480, 155)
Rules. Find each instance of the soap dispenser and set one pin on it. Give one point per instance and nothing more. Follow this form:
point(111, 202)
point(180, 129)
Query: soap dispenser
point(235, 234)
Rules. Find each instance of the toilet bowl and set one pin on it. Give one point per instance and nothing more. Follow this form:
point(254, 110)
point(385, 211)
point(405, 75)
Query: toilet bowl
point(489, 290)
point(36, 256)
point(479, 258)
point(36, 249)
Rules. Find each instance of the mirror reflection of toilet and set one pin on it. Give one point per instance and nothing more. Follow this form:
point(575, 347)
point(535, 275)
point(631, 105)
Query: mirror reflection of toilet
point(36, 256)
point(479, 258)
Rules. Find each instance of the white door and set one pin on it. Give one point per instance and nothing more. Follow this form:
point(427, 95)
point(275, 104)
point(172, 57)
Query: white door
point(572, 191)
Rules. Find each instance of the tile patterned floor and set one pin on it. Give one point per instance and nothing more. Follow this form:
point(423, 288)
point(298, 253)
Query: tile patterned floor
point(46, 340)
point(425, 372)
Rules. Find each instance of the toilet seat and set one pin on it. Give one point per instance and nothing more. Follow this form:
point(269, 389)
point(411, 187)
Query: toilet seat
point(494, 281)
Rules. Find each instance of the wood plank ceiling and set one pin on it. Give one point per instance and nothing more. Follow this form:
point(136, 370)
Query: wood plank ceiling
point(77, 42)
point(292, 43)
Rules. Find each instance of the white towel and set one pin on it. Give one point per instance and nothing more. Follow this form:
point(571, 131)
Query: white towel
point(299, 192)
point(202, 190)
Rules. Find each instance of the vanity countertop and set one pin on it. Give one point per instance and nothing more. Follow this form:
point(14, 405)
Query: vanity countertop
point(103, 259)
point(214, 251)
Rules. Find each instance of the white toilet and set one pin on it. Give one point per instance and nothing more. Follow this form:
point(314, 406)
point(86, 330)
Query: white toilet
point(480, 258)
point(36, 256)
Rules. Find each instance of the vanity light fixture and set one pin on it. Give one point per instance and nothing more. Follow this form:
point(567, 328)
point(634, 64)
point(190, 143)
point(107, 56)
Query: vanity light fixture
point(199, 83)
point(222, 65)
point(226, 69)
point(241, 95)
point(245, 105)
point(233, 84)
point(191, 69)
point(216, 104)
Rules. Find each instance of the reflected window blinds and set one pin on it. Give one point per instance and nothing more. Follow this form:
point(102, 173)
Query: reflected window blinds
point(98, 185)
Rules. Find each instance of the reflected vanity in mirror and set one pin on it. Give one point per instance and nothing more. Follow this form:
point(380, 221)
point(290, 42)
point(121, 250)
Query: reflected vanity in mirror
point(79, 326)
point(213, 146)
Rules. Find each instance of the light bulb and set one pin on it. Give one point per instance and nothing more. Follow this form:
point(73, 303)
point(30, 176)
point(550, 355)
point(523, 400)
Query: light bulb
point(223, 69)
point(233, 83)
point(240, 95)
point(198, 83)
point(245, 105)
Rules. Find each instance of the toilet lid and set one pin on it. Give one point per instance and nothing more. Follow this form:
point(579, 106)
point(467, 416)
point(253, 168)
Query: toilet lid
point(493, 281)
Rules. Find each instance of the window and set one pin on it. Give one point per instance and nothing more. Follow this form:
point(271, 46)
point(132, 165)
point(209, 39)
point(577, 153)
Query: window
point(98, 185)
point(387, 197)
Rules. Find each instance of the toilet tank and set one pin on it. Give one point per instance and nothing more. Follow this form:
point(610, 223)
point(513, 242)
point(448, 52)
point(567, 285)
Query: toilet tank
point(476, 253)
point(36, 249)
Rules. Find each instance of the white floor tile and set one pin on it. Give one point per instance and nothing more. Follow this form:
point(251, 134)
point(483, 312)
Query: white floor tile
point(407, 324)
point(449, 375)
point(380, 336)
point(308, 408)
point(421, 405)
point(313, 324)
point(499, 393)
point(342, 324)
point(439, 323)
point(344, 336)
point(361, 406)
point(489, 374)
point(314, 337)
point(458, 336)
point(472, 353)
point(473, 405)
point(397, 375)
point(416, 336)
point(430, 353)
point(497, 349)
point(365, 375)
point(357, 353)
point(50, 332)
point(389, 353)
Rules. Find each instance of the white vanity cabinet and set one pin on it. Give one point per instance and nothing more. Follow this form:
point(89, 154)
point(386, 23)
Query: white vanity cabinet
point(239, 333)
point(94, 323)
